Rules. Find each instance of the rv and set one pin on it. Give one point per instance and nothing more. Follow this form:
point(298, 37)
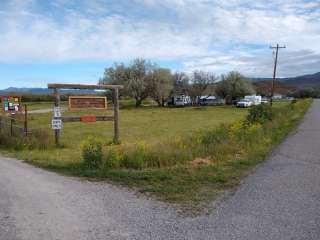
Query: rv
point(180, 101)
point(210, 101)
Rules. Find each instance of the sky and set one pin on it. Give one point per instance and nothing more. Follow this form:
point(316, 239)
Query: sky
point(73, 41)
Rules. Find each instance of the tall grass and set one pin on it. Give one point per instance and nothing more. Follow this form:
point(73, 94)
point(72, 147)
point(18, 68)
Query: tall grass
point(228, 142)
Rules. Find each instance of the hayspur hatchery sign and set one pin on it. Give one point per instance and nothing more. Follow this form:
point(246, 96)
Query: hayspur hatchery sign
point(87, 102)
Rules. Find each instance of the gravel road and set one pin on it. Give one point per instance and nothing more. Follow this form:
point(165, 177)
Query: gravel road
point(280, 200)
point(45, 110)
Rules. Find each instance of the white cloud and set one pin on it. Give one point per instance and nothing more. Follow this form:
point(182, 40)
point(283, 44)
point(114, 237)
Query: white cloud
point(202, 34)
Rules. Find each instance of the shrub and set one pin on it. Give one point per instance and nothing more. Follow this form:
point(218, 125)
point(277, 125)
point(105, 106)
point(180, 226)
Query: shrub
point(260, 114)
point(92, 152)
point(112, 159)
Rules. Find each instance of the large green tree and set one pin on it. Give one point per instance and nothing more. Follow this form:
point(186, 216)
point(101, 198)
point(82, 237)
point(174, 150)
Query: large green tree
point(135, 77)
point(161, 85)
point(233, 86)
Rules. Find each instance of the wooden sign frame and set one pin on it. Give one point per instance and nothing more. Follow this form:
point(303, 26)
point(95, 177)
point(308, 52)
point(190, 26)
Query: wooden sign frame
point(114, 118)
point(71, 107)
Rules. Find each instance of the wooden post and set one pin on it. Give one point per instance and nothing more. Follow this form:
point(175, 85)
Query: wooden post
point(0, 124)
point(116, 138)
point(12, 121)
point(57, 104)
point(26, 120)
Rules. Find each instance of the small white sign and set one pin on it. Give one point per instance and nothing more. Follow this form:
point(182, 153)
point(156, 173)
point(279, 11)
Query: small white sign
point(56, 112)
point(56, 124)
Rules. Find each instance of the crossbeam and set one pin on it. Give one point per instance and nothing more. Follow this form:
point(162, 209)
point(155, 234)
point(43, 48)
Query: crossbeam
point(83, 86)
point(78, 118)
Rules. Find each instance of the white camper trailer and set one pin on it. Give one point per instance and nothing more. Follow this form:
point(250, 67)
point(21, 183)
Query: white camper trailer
point(180, 101)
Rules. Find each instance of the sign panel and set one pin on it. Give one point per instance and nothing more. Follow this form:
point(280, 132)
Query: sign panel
point(88, 119)
point(11, 103)
point(56, 112)
point(56, 124)
point(87, 102)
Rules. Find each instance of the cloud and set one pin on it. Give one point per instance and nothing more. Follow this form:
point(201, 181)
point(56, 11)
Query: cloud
point(214, 35)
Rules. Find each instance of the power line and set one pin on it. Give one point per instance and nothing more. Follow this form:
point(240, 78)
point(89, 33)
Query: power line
point(275, 70)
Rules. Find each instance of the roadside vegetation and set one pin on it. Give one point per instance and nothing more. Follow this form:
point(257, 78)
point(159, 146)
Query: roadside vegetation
point(180, 155)
point(186, 155)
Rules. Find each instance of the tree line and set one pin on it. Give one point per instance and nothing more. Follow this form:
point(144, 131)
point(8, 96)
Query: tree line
point(143, 79)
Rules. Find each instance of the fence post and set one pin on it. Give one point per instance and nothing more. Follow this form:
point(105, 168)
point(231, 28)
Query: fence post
point(57, 104)
point(0, 124)
point(26, 120)
point(116, 115)
point(12, 121)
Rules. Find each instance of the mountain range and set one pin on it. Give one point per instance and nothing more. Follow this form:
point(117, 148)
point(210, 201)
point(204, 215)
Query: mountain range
point(304, 81)
point(43, 91)
point(311, 80)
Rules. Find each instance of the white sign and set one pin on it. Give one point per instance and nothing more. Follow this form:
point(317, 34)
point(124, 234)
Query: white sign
point(56, 112)
point(56, 124)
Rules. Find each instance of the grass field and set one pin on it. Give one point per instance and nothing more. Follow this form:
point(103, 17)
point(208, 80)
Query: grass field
point(181, 155)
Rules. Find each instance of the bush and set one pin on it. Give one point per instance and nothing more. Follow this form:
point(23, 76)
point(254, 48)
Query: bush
point(92, 152)
point(112, 159)
point(260, 114)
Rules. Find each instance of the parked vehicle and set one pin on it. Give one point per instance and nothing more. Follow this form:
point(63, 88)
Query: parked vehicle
point(264, 100)
point(244, 103)
point(180, 101)
point(256, 100)
point(211, 101)
point(290, 98)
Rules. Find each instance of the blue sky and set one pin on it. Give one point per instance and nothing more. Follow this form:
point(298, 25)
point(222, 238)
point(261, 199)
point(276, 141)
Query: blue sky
point(74, 40)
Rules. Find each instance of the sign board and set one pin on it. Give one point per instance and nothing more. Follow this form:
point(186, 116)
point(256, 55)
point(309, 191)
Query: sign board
point(11, 103)
point(56, 124)
point(87, 102)
point(88, 119)
point(56, 112)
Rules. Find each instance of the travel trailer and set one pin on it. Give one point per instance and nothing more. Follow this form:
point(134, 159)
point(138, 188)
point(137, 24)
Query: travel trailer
point(180, 101)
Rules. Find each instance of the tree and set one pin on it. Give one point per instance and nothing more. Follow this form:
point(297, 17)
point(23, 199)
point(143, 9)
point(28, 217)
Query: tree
point(135, 78)
point(200, 82)
point(161, 85)
point(180, 83)
point(309, 92)
point(139, 83)
point(233, 86)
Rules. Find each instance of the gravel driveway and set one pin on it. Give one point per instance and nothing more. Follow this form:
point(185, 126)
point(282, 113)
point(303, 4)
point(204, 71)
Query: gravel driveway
point(280, 200)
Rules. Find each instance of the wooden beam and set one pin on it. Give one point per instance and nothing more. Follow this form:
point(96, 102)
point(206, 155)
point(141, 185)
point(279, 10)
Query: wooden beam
point(116, 138)
point(57, 104)
point(78, 118)
point(82, 86)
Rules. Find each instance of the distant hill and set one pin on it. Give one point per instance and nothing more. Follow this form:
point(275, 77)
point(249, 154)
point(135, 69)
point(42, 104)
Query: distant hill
point(311, 80)
point(264, 87)
point(43, 91)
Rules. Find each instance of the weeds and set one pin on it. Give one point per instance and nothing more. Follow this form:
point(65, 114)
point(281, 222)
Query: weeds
point(92, 152)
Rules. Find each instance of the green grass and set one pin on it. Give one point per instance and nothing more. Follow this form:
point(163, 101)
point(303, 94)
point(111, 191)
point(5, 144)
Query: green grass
point(180, 155)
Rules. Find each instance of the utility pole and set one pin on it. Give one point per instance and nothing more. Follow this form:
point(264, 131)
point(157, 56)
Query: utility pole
point(274, 70)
